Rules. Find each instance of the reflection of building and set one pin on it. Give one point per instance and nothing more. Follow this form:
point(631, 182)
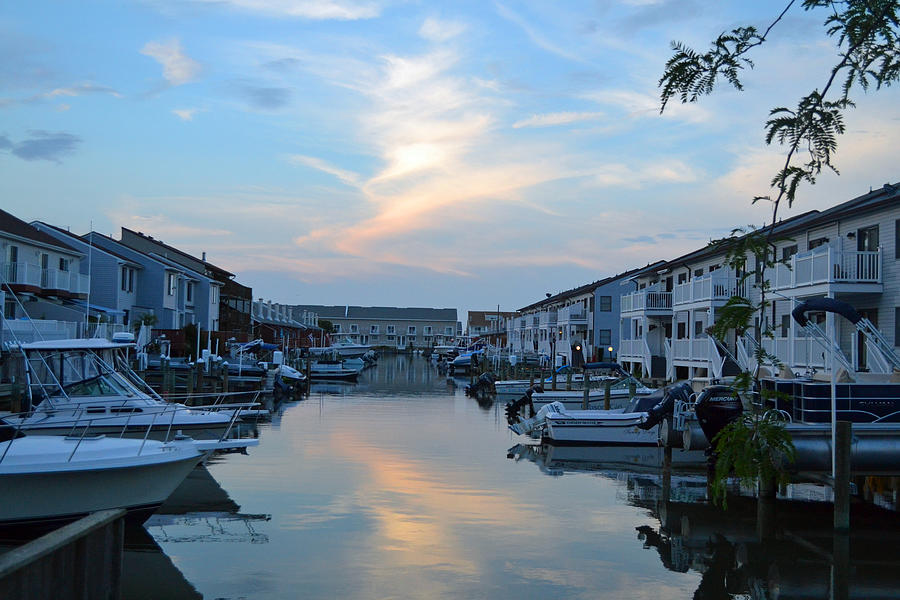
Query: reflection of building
point(387, 326)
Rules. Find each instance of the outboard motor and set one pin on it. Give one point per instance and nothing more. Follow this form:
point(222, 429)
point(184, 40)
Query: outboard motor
point(666, 406)
point(717, 406)
point(513, 408)
point(484, 384)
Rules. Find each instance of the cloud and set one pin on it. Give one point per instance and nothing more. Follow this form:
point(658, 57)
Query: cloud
point(178, 68)
point(185, 114)
point(646, 105)
point(536, 37)
point(659, 12)
point(42, 145)
point(440, 30)
point(81, 89)
point(347, 177)
point(560, 118)
point(265, 97)
point(318, 10)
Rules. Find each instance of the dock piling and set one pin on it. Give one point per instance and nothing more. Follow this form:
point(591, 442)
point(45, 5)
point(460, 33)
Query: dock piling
point(841, 484)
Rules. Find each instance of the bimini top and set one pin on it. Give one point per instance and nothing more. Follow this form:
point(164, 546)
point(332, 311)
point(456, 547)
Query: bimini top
point(75, 344)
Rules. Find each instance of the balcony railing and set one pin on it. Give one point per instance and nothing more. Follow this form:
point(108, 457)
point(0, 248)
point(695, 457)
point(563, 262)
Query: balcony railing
point(21, 273)
point(631, 348)
point(548, 318)
point(572, 315)
point(828, 265)
point(804, 352)
point(709, 288)
point(650, 301)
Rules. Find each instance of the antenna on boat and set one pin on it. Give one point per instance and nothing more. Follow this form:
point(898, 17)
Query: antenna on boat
point(87, 308)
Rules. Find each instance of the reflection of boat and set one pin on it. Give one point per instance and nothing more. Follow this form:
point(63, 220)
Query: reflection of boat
point(555, 460)
point(331, 370)
point(619, 380)
point(55, 478)
point(87, 383)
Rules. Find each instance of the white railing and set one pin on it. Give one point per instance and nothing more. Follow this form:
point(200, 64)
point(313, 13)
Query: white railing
point(709, 288)
point(803, 352)
point(699, 350)
point(644, 300)
point(828, 265)
point(548, 318)
point(631, 348)
point(670, 363)
point(22, 273)
point(572, 314)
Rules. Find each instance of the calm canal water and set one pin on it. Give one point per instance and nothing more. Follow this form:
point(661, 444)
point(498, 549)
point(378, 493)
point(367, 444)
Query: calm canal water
point(400, 486)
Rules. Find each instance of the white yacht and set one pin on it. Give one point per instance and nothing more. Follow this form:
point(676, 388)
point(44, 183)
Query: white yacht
point(344, 348)
point(47, 479)
point(87, 383)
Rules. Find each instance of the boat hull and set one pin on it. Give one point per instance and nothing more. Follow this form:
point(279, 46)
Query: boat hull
point(618, 429)
point(66, 495)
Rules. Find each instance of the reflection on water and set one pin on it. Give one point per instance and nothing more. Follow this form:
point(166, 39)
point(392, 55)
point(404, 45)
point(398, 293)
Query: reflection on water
point(399, 486)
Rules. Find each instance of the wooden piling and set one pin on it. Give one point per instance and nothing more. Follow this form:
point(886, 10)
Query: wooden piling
point(587, 389)
point(841, 484)
point(569, 380)
point(553, 381)
point(190, 383)
point(607, 396)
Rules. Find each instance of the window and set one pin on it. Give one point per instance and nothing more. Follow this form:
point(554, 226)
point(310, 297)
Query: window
point(821, 241)
point(698, 273)
point(897, 238)
point(698, 329)
point(867, 239)
point(354, 328)
point(373, 329)
point(125, 317)
point(412, 339)
point(788, 251)
point(605, 303)
point(411, 330)
point(172, 285)
point(374, 338)
point(390, 338)
point(428, 330)
point(713, 268)
point(682, 277)
point(390, 330)
point(9, 308)
point(64, 264)
point(604, 337)
point(448, 331)
point(785, 325)
point(337, 327)
point(189, 292)
point(213, 294)
point(681, 331)
point(124, 279)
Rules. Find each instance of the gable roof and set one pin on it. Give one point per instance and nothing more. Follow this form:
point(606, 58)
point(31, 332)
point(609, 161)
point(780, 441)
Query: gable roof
point(589, 287)
point(81, 240)
point(19, 228)
point(178, 253)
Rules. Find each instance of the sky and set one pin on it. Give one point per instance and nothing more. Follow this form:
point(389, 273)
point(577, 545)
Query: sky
point(387, 152)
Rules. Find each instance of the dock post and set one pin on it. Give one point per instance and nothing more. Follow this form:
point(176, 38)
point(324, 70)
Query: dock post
point(531, 378)
point(607, 396)
point(587, 389)
point(841, 484)
point(190, 382)
point(569, 379)
point(224, 379)
point(632, 389)
point(840, 566)
point(553, 381)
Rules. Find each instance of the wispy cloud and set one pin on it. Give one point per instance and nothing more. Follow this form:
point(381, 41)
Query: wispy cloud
point(347, 177)
point(178, 68)
point(319, 10)
point(42, 145)
point(535, 35)
point(81, 89)
point(441, 30)
point(560, 118)
point(185, 114)
point(638, 104)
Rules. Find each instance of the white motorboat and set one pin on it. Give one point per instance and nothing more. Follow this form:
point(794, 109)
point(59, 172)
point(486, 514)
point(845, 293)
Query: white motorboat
point(628, 426)
point(344, 348)
point(46, 479)
point(332, 370)
point(87, 383)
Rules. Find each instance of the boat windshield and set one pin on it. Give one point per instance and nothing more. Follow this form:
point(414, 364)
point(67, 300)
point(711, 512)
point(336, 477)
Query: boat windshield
point(77, 373)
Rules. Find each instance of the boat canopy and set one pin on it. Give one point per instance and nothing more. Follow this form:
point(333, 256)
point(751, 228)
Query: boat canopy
point(827, 305)
point(76, 344)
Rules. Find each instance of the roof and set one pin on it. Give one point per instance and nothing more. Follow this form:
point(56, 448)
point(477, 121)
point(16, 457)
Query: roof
point(176, 251)
point(81, 240)
point(17, 227)
point(589, 287)
point(480, 317)
point(386, 313)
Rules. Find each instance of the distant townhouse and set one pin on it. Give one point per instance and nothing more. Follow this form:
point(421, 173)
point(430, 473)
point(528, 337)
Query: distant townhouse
point(392, 327)
point(488, 323)
point(174, 295)
point(41, 276)
point(576, 325)
point(274, 324)
point(231, 303)
point(848, 252)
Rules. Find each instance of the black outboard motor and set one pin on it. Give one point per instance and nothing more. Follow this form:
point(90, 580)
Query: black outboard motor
point(717, 406)
point(666, 406)
point(484, 384)
point(514, 407)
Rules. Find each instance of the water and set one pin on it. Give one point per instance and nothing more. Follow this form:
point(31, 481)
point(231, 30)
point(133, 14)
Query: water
point(402, 487)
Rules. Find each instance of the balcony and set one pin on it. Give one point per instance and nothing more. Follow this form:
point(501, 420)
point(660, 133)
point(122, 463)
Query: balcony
point(572, 315)
point(830, 267)
point(647, 301)
point(711, 289)
point(27, 277)
point(631, 349)
point(548, 318)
